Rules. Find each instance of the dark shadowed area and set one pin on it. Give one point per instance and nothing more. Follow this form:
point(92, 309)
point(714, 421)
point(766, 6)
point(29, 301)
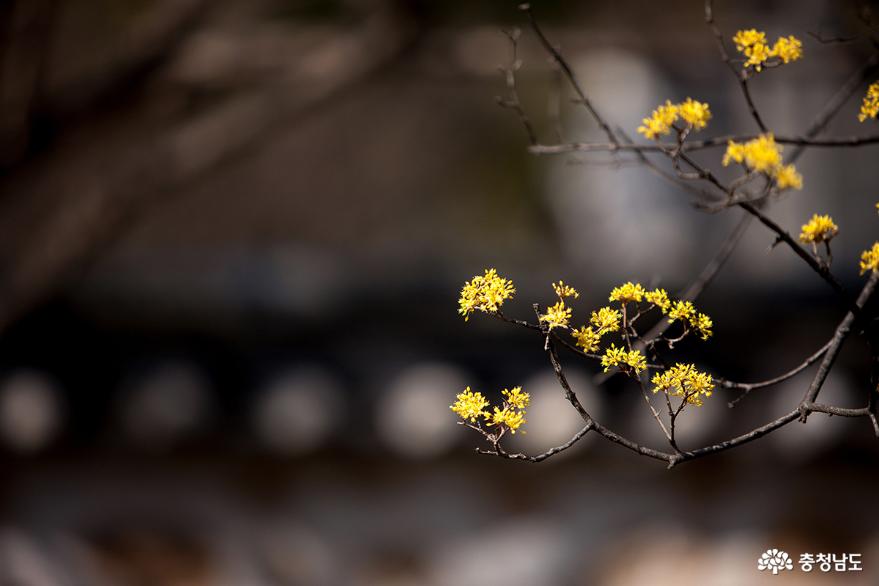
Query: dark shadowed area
point(232, 240)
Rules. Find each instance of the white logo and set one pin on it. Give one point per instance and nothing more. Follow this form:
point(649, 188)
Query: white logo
point(775, 560)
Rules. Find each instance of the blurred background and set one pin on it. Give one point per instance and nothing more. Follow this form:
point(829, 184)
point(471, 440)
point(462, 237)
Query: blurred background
point(232, 236)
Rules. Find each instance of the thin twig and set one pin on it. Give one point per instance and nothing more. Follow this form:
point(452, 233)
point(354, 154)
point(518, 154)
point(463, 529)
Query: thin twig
point(746, 388)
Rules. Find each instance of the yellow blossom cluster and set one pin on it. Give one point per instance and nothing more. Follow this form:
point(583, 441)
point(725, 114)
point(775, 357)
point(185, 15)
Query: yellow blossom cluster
point(818, 229)
point(559, 315)
point(470, 406)
point(870, 106)
point(627, 292)
point(763, 155)
point(870, 259)
point(753, 45)
point(606, 319)
point(563, 290)
point(587, 338)
point(675, 310)
point(659, 298)
point(696, 114)
point(628, 360)
point(484, 293)
point(686, 312)
point(684, 380)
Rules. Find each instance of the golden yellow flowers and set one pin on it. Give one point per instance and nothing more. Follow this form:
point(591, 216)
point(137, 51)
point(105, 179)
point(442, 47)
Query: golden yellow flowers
point(870, 106)
point(703, 324)
point(661, 121)
point(587, 339)
point(684, 380)
point(627, 292)
point(510, 417)
point(786, 177)
point(484, 293)
point(763, 155)
point(516, 398)
point(752, 44)
point(470, 405)
point(870, 259)
point(557, 316)
point(563, 290)
point(606, 320)
point(659, 298)
point(683, 310)
point(624, 359)
point(696, 114)
point(818, 229)
point(686, 312)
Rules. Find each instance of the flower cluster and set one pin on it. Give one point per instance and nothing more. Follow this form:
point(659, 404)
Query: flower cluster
point(818, 229)
point(870, 259)
point(753, 45)
point(484, 293)
point(763, 155)
point(605, 320)
point(686, 312)
point(470, 406)
point(694, 113)
point(870, 106)
point(559, 314)
point(627, 292)
point(630, 361)
point(685, 381)
point(659, 298)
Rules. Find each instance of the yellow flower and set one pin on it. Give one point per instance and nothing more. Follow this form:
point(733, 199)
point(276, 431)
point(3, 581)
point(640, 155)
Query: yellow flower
point(788, 49)
point(747, 38)
point(818, 229)
point(563, 290)
point(786, 177)
point(606, 320)
point(470, 405)
point(870, 107)
point(683, 310)
point(757, 55)
point(636, 360)
point(659, 298)
point(516, 398)
point(684, 380)
point(624, 359)
point(763, 155)
point(511, 418)
point(703, 324)
point(484, 293)
point(752, 43)
point(613, 356)
point(627, 292)
point(587, 339)
point(870, 259)
point(735, 151)
point(697, 114)
point(660, 122)
point(557, 316)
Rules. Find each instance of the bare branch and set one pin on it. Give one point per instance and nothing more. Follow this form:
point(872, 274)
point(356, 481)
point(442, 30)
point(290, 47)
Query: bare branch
point(748, 387)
